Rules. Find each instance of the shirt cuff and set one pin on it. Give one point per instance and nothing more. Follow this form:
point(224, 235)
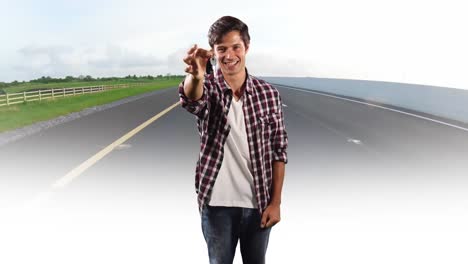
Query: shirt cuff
point(280, 155)
point(193, 106)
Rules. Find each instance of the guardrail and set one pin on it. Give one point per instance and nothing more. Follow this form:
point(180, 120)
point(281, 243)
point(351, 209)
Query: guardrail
point(43, 94)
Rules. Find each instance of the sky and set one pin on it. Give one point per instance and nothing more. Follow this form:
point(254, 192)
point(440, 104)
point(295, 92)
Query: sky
point(410, 41)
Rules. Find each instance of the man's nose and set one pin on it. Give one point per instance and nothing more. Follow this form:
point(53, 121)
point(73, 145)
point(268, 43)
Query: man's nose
point(229, 54)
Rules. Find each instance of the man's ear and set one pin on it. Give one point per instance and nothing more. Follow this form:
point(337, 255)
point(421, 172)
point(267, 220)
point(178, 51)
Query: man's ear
point(247, 48)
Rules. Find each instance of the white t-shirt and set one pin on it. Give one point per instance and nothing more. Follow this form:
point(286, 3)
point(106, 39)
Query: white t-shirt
point(234, 186)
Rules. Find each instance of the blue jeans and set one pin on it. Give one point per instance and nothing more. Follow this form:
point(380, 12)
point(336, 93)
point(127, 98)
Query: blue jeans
point(224, 226)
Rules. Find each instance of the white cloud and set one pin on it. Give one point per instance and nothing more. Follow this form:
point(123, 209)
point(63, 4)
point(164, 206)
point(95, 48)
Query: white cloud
point(116, 57)
point(110, 60)
point(404, 41)
point(175, 64)
point(51, 60)
point(265, 64)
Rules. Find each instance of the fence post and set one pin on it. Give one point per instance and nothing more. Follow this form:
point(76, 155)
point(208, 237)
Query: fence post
point(7, 101)
point(52, 93)
point(24, 96)
point(40, 97)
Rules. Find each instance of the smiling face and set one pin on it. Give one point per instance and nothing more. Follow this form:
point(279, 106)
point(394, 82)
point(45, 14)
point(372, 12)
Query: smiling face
point(230, 54)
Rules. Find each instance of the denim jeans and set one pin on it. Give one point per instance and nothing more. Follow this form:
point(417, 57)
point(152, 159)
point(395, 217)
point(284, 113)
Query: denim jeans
point(224, 226)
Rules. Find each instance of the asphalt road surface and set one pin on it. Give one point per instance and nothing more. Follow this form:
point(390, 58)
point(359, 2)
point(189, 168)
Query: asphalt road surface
point(363, 185)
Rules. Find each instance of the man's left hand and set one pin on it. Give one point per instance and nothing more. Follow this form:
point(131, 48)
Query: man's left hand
point(271, 216)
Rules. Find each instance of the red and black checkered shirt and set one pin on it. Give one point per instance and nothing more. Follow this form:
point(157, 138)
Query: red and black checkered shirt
point(264, 123)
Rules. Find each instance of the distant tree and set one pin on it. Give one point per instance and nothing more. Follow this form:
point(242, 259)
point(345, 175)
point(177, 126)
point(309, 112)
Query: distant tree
point(88, 78)
point(69, 79)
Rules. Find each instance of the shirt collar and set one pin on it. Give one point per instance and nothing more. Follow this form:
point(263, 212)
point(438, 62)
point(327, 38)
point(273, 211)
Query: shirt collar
point(224, 87)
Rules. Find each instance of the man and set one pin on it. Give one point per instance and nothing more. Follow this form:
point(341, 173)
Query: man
point(240, 171)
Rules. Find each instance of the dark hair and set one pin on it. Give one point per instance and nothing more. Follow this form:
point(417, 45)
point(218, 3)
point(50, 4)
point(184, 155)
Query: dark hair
point(225, 25)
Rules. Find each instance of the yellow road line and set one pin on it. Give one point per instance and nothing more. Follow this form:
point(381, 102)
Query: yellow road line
point(73, 174)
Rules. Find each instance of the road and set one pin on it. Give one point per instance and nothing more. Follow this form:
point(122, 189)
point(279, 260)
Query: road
point(363, 185)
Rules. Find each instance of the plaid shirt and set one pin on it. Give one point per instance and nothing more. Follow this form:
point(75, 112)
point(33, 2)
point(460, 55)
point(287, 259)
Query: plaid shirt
point(266, 133)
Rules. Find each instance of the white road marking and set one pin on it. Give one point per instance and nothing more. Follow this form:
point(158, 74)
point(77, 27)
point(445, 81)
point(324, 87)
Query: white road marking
point(73, 174)
point(285, 105)
point(355, 141)
point(336, 132)
point(123, 146)
point(382, 107)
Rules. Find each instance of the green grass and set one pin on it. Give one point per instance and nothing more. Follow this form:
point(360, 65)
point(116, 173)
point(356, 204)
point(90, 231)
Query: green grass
point(20, 115)
point(33, 86)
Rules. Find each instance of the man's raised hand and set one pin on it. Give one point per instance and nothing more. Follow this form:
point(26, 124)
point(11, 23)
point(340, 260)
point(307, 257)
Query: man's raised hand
point(196, 61)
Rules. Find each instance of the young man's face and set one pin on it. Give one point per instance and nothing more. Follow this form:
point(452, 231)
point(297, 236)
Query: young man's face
point(230, 53)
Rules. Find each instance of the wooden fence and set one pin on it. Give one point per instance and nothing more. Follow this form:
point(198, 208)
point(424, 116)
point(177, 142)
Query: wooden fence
point(38, 95)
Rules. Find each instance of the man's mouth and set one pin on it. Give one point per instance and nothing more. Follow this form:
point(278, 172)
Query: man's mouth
point(230, 63)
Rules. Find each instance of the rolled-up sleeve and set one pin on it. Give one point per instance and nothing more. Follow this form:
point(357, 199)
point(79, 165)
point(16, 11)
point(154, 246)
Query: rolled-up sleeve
point(280, 141)
point(195, 107)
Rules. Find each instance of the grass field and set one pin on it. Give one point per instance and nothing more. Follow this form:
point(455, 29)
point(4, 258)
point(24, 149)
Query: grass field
point(34, 86)
point(20, 115)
